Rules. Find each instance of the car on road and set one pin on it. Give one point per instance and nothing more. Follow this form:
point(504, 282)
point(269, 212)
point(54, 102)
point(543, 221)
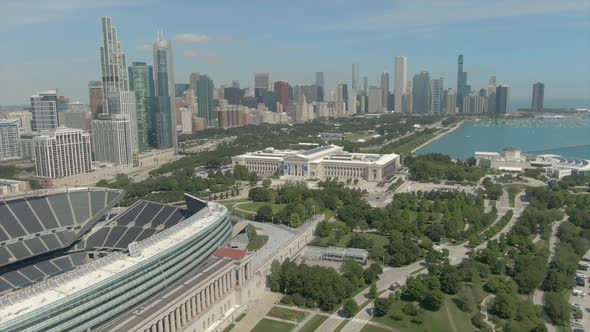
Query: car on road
point(395, 286)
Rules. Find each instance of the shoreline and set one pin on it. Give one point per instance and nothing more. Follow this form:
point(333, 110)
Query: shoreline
point(438, 136)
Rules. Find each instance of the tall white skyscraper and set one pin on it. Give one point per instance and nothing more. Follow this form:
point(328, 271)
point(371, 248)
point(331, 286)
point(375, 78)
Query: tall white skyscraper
point(436, 101)
point(118, 99)
point(385, 89)
point(8, 139)
point(115, 75)
point(165, 95)
point(113, 131)
point(450, 101)
point(400, 82)
point(44, 111)
point(355, 77)
point(62, 152)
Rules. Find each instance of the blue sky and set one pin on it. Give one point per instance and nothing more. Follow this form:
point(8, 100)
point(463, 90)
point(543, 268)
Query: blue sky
point(54, 44)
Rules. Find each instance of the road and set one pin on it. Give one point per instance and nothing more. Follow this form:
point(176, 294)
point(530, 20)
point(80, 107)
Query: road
point(503, 205)
point(584, 302)
point(538, 294)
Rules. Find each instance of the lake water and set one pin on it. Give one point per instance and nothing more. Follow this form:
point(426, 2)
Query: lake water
point(567, 137)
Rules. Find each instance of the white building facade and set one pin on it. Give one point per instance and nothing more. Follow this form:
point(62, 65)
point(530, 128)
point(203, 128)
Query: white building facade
point(321, 163)
point(113, 131)
point(9, 139)
point(62, 152)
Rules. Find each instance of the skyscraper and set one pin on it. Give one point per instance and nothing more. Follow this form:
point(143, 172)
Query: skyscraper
point(282, 92)
point(492, 95)
point(113, 61)
point(62, 152)
point(205, 105)
point(408, 104)
point(113, 131)
point(400, 82)
point(365, 85)
point(115, 80)
point(44, 110)
point(450, 101)
point(96, 96)
point(194, 78)
point(538, 96)
point(141, 81)
point(421, 93)
point(262, 83)
point(165, 113)
point(502, 99)
point(436, 101)
point(462, 88)
point(8, 139)
point(375, 100)
point(24, 120)
point(385, 90)
point(355, 76)
point(320, 80)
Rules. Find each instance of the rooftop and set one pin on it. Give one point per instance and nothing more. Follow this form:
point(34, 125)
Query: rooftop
point(230, 253)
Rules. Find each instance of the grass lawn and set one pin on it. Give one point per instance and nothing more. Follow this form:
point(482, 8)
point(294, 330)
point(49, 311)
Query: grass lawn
point(254, 206)
point(267, 325)
point(371, 328)
point(415, 142)
point(287, 314)
point(257, 242)
point(512, 192)
point(314, 323)
point(448, 318)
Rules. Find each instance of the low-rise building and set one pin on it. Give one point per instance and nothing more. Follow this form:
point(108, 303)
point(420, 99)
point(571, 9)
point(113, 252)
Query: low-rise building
point(12, 186)
point(320, 163)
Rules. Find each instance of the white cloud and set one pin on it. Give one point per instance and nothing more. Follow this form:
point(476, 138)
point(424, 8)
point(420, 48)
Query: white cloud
point(16, 13)
point(207, 56)
point(420, 13)
point(192, 38)
point(144, 47)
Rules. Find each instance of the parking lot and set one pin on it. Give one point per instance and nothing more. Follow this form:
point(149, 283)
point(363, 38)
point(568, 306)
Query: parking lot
point(583, 303)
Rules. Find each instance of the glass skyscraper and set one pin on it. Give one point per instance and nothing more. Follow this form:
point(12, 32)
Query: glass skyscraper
point(205, 89)
point(165, 112)
point(141, 80)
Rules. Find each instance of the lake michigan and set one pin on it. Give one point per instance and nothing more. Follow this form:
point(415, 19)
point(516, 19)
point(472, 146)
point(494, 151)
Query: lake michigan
point(569, 137)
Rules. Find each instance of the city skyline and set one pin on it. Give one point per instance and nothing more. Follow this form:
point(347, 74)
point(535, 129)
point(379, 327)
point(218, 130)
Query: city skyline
point(230, 54)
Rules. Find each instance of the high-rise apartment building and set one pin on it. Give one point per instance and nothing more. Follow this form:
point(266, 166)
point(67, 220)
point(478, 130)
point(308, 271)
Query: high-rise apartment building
point(113, 61)
point(492, 95)
point(421, 93)
point(462, 88)
point(262, 83)
point(24, 119)
point(165, 105)
point(355, 77)
point(365, 85)
point(141, 81)
point(118, 99)
point(475, 104)
point(538, 96)
point(503, 99)
point(450, 101)
point(193, 79)
point(385, 90)
point(375, 100)
point(282, 92)
point(96, 97)
point(62, 152)
point(436, 101)
point(205, 105)
point(9, 137)
point(400, 82)
point(44, 111)
point(79, 119)
point(113, 131)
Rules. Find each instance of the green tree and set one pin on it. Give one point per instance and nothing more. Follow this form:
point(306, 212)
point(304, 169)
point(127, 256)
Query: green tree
point(264, 214)
point(557, 308)
point(350, 308)
point(505, 304)
point(433, 300)
point(274, 279)
point(381, 307)
point(266, 183)
point(353, 271)
point(295, 220)
point(373, 291)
